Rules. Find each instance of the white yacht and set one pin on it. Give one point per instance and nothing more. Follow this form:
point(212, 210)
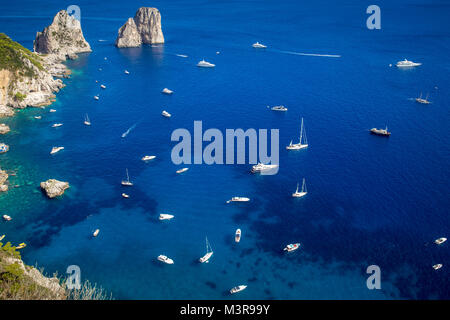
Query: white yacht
point(55, 125)
point(258, 45)
point(146, 158)
point(208, 254)
point(182, 170)
point(380, 132)
point(165, 216)
point(86, 120)
point(406, 63)
point(96, 232)
point(56, 149)
point(292, 247)
point(102, 86)
point(238, 288)
point(303, 142)
point(440, 240)
point(6, 217)
point(52, 110)
point(167, 91)
point(237, 235)
point(96, 97)
point(421, 100)
point(38, 117)
point(165, 259)
point(239, 199)
point(302, 193)
point(125, 195)
point(279, 108)
point(127, 182)
point(260, 167)
point(205, 64)
point(166, 114)
point(437, 266)
point(127, 72)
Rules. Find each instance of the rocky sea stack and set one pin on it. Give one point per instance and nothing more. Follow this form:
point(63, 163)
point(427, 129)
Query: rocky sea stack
point(54, 188)
point(145, 28)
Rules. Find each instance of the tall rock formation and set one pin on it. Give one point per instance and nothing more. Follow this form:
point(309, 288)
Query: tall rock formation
point(145, 27)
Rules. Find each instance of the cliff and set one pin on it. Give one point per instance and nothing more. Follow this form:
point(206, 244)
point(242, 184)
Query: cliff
point(145, 27)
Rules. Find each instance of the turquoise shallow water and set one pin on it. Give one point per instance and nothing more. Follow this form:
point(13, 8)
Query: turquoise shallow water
point(371, 200)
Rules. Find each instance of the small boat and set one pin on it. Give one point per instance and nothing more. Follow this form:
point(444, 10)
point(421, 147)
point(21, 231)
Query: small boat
point(182, 170)
point(127, 72)
point(421, 100)
point(406, 63)
point(6, 217)
point(125, 195)
point(380, 132)
point(96, 232)
point(2, 237)
point(38, 117)
point(86, 120)
point(205, 64)
point(167, 91)
point(127, 182)
point(208, 254)
point(217, 52)
point(260, 167)
point(166, 114)
point(52, 110)
point(165, 216)
point(21, 245)
point(55, 125)
point(56, 149)
point(302, 193)
point(238, 199)
point(279, 108)
point(237, 235)
point(292, 247)
point(258, 45)
point(102, 86)
point(437, 266)
point(299, 145)
point(238, 288)
point(3, 148)
point(165, 259)
point(106, 58)
point(440, 240)
point(96, 97)
point(146, 158)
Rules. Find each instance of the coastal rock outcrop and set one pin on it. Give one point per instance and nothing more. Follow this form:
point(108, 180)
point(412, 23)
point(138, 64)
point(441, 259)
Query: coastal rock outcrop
point(4, 128)
point(54, 188)
point(145, 27)
point(3, 178)
point(63, 37)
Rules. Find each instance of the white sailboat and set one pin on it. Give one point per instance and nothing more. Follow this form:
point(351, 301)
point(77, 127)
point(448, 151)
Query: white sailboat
point(208, 254)
point(86, 120)
point(299, 145)
point(127, 182)
point(298, 194)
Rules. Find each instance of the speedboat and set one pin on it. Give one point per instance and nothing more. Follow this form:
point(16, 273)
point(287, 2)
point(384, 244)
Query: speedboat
point(302, 143)
point(96, 232)
point(55, 125)
point(165, 259)
point(422, 101)
point(103, 86)
point(146, 158)
point(406, 63)
point(166, 114)
point(165, 216)
point(258, 45)
point(205, 64)
point(96, 97)
point(182, 170)
point(125, 195)
point(22, 245)
point(238, 199)
point(238, 288)
point(127, 72)
point(6, 217)
point(56, 149)
point(440, 240)
point(380, 132)
point(260, 167)
point(299, 194)
point(38, 117)
point(2, 237)
point(279, 108)
point(52, 110)
point(167, 91)
point(127, 182)
point(237, 235)
point(208, 253)
point(86, 120)
point(292, 247)
point(437, 266)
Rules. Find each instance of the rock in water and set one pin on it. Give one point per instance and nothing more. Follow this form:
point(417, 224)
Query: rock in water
point(145, 27)
point(54, 188)
point(63, 37)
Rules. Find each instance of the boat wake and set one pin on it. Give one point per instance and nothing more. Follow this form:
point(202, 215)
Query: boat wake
point(129, 130)
point(310, 54)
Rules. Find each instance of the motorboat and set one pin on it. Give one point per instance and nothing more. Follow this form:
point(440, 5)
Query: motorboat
point(238, 288)
point(2, 237)
point(208, 254)
point(166, 114)
point(302, 143)
point(260, 167)
point(205, 64)
point(380, 132)
point(96, 97)
point(127, 72)
point(38, 117)
point(125, 195)
point(437, 266)
point(96, 232)
point(86, 120)
point(102, 86)
point(440, 240)
point(165, 259)
point(56, 149)
point(6, 217)
point(258, 45)
point(182, 170)
point(279, 108)
point(182, 55)
point(292, 247)
point(238, 199)
point(407, 63)
point(127, 182)
point(55, 125)
point(146, 158)
point(299, 194)
point(165, 216)
point(237, 235)
point(21, 245)
point(52, 110)
point(167, 91)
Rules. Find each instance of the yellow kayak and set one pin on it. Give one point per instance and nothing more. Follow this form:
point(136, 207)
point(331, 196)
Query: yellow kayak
point(22, 245)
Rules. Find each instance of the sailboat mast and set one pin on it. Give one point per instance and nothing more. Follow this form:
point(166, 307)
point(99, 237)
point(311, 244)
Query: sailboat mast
point(128, 177)
point(304, 185)
point(301, 132)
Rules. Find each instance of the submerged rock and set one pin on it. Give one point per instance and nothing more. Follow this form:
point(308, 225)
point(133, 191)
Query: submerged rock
point(4, 128)
point(145, 27)
point(54, 188)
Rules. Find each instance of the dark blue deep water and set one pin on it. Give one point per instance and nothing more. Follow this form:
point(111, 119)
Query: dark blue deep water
point(371, 200)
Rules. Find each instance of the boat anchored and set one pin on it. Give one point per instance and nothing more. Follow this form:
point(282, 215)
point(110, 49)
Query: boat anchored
point(406, 63)
point(292, 247)
point(56, 149)
point(380, 132)
point(302, 193)
point(437, 266)
point(125, 195)
point(38, 117)
point(146, 158)
point(2, 237)
point(127, 182)
point(238, 199)
point(126, 72)
point(299, 145)
point(96, 232)
point(261, 167)
point(165, 216)
point(165, 259)
point(440, 241)
point(182, 170)
point(52, 110)
point(102, 86)
point(55, 125)
point(86, 120)
point(166, 114)
point(237, 235)
point(278, 108)
point(209, 253)
point(238, 289)
point(205, 64)
point(258, 45)
point(166, 91)
point(6, 217)
point(21, 246)
point(96, 97)
point(421, 100)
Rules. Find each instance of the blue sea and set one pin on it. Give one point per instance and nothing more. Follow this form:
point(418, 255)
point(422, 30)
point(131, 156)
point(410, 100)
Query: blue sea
point(371, 200)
